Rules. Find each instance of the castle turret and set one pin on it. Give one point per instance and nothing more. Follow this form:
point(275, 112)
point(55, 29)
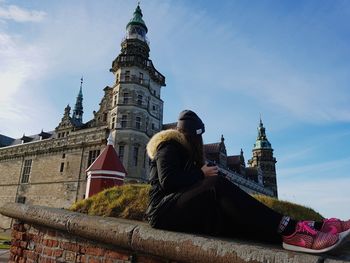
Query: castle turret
point(135, 109)
point(263, 159)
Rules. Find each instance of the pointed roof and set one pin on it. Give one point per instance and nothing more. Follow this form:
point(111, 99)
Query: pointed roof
point(108, 160)
point(78, 108)
point(137, 19)
point(261, 140)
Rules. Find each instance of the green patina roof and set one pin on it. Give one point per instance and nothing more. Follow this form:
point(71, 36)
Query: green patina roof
point(137, 19)
point(262, 141)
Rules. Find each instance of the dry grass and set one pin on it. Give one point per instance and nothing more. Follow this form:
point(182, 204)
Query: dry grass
point(130, 201)
point(295, 211)
point(127, 201)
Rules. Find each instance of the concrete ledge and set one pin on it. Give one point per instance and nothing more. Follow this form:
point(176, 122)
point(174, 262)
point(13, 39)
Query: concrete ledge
point(139, 237)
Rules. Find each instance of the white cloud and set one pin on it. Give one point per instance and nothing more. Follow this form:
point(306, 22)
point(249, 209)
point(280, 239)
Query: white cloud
point(18, 14)
point(21, 65)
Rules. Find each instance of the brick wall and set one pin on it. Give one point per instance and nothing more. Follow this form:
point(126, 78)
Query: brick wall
point(38, 244)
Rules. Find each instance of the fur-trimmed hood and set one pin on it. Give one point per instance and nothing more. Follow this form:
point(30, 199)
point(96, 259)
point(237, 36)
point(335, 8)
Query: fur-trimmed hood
point(164, 136)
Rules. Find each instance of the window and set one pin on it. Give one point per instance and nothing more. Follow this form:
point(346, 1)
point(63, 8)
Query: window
point(121, 152)
point(26, 171)
point(61, 167)
point(153, 126)
point(105, 117)
point(154, 107)
point(113, 122)
point(125, 97)
point(135, 155)
point(21, 199)
point(127, 75)
point(63, 156)
point(124, 122)
point(92, 156)
point(117, 77)
point(115, 99)
point(141, 77)
point(139, 99)
point(138, 123)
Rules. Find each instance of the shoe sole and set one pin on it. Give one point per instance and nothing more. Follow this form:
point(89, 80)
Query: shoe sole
point(313, 251)
point(345, 236)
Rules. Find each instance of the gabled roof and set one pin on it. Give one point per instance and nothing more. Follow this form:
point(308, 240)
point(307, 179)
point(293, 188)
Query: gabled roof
point(212, 148)
point(108, 160)
point(233, 160)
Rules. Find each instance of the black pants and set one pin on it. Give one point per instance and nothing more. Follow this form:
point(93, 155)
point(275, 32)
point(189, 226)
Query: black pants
point(215, 206)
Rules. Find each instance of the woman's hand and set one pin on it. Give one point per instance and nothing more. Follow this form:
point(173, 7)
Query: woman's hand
point(210, 170)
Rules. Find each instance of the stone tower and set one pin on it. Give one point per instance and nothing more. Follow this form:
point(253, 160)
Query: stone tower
point(135, 109)
point(263, 159)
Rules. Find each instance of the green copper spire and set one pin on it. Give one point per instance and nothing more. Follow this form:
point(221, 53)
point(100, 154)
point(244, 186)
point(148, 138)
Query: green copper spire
point(78, 108)
point(261, 140)
point(137, 19)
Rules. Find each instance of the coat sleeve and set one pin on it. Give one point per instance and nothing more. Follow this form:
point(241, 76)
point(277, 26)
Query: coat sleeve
point(172, 171)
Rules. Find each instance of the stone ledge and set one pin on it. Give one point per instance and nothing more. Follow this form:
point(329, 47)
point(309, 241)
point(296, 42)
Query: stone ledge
point(139, 237)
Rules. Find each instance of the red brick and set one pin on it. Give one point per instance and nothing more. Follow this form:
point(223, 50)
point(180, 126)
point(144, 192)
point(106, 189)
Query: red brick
point(70, 246)
point(81, 259)
point(95, 251)
point(149, 259)
point(95, 260)
point(38, 249)
point(48, 251)
point(23, 244)
point(20, 235)
point(55, 243)
point(58, 253)
point(117, 255)
point(30, 255)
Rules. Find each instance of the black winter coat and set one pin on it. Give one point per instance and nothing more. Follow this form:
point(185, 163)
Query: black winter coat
point(172, 172)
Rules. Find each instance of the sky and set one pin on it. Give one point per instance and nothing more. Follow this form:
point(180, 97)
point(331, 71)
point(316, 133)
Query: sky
point(229, 61)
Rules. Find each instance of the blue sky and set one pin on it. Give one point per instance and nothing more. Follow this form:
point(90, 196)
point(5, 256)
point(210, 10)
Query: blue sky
point(230, 61)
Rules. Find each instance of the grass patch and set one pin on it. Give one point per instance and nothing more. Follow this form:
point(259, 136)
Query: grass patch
point(130, 202)
point(293, 210)
point(127, 201)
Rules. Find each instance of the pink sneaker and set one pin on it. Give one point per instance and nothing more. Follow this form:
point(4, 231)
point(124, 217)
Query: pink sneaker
point(335, 226)
point(307, 239)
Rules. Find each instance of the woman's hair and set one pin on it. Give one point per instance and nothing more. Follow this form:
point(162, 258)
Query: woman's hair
point(196, 147)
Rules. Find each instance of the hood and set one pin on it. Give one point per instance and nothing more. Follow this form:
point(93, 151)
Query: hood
point(162, 137)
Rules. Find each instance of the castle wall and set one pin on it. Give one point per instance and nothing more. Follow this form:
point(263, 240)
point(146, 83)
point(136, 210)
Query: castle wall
point(57, 175)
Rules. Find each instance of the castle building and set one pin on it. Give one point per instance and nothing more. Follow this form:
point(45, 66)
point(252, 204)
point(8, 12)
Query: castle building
point(49, 168)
